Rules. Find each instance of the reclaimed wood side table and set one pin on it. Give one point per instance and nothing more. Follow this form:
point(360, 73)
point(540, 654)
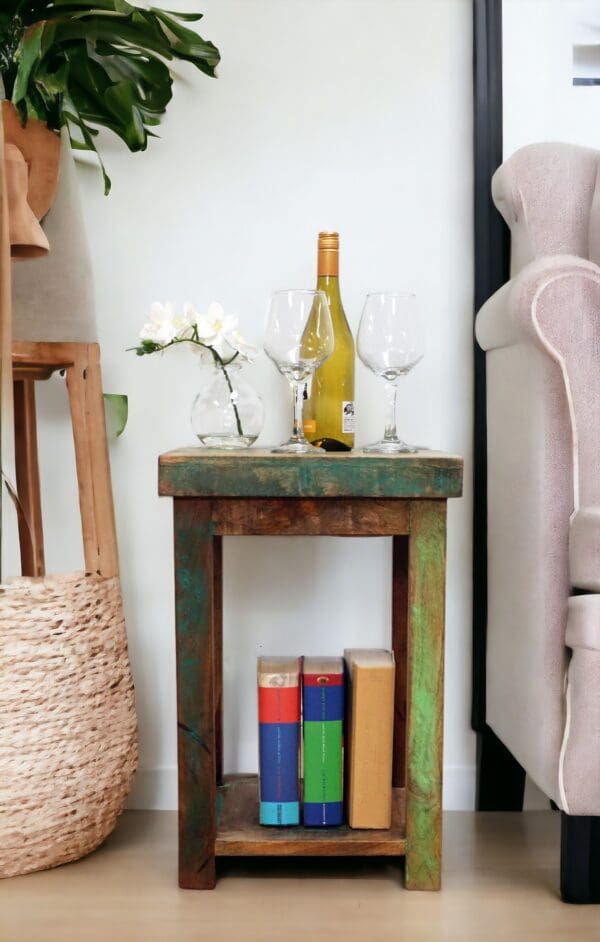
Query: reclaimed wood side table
point(220, 494)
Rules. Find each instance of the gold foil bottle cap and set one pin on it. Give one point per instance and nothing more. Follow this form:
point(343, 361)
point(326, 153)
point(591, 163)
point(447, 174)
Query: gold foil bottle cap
point(329, 240)
point(329, 247)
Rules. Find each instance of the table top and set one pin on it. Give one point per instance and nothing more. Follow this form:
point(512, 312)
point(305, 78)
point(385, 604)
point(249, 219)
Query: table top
point(255, 472)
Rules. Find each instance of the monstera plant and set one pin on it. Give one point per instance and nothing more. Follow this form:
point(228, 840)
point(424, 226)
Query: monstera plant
point(86, 64)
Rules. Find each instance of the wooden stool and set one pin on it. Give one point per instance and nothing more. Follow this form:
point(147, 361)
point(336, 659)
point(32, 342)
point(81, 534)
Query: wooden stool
point(81, 363)
point(217, 494)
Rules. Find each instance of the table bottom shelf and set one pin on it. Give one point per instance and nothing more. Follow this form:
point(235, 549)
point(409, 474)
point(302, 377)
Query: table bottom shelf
point(240, 835)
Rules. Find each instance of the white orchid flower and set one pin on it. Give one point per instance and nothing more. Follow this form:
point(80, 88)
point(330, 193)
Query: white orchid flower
point(165, 325)
point(190, 314)
point(215, 329)
point(245, 350)
point(215, 326)
point(219, 330)
point(205, 328)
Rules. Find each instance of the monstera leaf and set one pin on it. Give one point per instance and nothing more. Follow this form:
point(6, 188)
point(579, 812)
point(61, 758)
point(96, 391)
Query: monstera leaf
point(96, 63)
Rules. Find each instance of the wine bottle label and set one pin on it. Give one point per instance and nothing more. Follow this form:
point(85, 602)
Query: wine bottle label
point(348, 418)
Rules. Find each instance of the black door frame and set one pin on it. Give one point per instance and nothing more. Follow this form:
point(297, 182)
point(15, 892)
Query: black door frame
point(491, 271)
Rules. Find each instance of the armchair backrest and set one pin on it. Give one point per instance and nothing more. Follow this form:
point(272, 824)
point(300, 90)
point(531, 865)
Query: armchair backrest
point(541, 332)
point(547, 193)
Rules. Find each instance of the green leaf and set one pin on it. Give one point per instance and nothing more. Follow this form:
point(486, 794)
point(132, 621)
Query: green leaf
point(36, 106)
point(53, 83)
point(146, 347)
point(151, 76)
point(187, 17)
point(58, 9)
point(48, 38)
point(137, 35)
point(88, 135)
point(77, 145)
point(116, 413)
point(189, 46)
point(96, 63)
point(27, 55)
point(123, 102)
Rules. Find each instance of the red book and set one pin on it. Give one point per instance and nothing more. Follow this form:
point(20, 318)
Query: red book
point(279, 739)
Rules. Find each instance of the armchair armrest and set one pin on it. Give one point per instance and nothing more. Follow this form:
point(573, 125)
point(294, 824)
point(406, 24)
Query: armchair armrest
point(554, 305)
point(511, 314)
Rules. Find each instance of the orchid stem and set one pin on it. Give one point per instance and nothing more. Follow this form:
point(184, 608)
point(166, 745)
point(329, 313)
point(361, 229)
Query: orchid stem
point(224, 366)
point(219, 361)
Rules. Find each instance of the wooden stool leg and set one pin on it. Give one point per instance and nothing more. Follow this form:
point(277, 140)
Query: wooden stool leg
point(399, 645)
point(425, 694)
point(84, 383)
point(31, 533)
point(217, 602)
point(194, 617)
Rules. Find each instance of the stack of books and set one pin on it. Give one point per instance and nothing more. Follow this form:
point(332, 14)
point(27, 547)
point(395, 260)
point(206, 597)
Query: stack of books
point(326, 723)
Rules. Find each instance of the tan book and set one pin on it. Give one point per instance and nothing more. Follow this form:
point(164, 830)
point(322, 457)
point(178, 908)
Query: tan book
point(369, 737)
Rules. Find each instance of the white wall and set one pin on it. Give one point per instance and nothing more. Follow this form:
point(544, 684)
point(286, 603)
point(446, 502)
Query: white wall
point(346, 114)
point(540, 102)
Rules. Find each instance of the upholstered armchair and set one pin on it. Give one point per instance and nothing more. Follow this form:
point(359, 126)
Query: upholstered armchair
point(541, 334)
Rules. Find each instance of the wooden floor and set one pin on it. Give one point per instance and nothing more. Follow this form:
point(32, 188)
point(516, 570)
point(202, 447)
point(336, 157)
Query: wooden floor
point(500, 883)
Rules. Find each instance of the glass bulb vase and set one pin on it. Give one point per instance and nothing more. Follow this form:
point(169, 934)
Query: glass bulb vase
point(227, 413)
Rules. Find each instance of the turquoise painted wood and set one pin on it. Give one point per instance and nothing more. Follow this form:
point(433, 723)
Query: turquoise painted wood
point(254, 473)
point(404, 497)
point(196, 746)
point(425, 720)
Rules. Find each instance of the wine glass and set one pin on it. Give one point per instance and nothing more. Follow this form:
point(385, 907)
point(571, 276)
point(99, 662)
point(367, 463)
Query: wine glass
point(390, 343)
point(298, 338)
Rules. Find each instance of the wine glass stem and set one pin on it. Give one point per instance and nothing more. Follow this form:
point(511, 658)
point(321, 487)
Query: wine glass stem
point(391, 391)
point(298, 390)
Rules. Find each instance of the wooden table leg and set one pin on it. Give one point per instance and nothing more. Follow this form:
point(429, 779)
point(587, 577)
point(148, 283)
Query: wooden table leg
point(194, 615)
point(399, 643)
point(218, 652)
point(426, 596)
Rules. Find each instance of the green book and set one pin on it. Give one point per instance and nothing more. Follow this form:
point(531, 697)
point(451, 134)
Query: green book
point(323, 712)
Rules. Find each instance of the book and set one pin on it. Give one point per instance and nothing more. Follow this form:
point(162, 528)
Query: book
point(279, 739)
point(369, 737)
point(323, 716)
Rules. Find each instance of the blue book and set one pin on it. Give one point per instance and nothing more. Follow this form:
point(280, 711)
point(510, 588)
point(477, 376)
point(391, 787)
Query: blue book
point(279, 739)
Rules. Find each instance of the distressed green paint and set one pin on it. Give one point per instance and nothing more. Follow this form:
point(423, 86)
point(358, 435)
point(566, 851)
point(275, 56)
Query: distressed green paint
point(425, 694)
point(194, 562)
point(220, 801)
point(193, 478)
point(254, 473)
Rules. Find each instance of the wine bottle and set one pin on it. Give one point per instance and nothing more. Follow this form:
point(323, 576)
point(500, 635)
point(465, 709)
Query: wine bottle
point(328, 417)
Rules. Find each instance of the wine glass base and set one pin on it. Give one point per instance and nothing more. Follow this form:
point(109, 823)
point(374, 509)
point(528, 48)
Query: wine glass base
point(294, 447)
point(389, 447)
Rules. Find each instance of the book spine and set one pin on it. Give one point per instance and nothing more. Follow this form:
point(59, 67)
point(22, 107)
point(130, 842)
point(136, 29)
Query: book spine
point(370, 732)
point(323, 706)
point(279, 739)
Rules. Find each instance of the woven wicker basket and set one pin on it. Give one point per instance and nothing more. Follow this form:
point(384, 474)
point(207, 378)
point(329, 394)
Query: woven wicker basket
point(68, 739)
